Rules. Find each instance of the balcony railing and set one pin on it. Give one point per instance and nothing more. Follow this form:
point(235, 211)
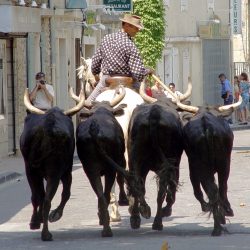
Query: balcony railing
point(28, 3)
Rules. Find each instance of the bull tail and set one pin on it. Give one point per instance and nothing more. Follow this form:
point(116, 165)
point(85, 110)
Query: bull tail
point(208, 181)
point(94, 130)
point(135, 184)
point(166, 176)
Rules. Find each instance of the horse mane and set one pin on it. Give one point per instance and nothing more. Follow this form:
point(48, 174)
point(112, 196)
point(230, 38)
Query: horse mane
point(84, 71)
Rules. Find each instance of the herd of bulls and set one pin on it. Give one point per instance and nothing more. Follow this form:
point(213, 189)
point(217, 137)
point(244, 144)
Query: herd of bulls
point(124, 135)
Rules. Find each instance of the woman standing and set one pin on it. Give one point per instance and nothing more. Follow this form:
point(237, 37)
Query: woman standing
point(244, 92)
point(236, 97)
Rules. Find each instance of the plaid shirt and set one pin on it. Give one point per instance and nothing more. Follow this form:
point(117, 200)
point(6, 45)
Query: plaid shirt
point(118, 54)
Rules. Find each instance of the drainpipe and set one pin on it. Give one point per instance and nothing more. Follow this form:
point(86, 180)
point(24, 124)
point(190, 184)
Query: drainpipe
point(13, 95)
point(53, 53)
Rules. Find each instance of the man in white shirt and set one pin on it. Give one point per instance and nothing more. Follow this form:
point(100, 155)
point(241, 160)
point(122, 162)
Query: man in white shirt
point(42, 95)
point(172, 88)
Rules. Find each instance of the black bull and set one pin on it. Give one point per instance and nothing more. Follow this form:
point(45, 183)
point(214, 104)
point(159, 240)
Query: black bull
point(208, 142)
point(155, 142)
point(47, 144)
point(101, 147)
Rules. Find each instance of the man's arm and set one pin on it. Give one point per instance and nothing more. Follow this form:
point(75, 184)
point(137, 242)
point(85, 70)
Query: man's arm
point(227, 89)
point(34, 92)
point(96, 62)
point(48, 94)
point(137, 68)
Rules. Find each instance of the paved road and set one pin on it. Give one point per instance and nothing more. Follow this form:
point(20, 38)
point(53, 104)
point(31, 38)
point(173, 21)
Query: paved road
point(187, 228)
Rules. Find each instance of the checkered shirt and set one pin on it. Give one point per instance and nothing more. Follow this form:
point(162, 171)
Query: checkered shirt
point(118, 54)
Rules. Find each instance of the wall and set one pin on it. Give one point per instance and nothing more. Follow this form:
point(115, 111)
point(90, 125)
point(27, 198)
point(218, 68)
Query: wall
point(183, 50)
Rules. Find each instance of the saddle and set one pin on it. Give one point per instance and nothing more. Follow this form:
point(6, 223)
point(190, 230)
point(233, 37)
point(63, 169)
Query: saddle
point(114, 81)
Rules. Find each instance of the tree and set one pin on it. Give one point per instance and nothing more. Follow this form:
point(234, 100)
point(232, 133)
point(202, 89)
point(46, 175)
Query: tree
point(150, 40)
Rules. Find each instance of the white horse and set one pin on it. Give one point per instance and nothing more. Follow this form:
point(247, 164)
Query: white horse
point(86, 77)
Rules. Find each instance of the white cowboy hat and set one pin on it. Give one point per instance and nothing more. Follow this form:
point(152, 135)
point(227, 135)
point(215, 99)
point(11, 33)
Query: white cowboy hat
point(133, 19)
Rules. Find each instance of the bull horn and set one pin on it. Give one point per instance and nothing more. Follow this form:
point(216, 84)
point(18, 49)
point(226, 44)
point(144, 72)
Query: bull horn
point(182, 97)
point(165, 87)
point(188, 108)
point(29, 106)
point(234, 105)
point(73, 95)
point(144, 96)
point(119, 96)
point(188, 92)
point(78, 107)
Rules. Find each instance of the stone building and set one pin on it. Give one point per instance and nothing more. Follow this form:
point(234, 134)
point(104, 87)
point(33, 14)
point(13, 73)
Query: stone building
point(198, 44)
point(40, 35)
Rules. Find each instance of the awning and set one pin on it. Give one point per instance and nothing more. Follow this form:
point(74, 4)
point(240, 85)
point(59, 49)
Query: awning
point(19, 19)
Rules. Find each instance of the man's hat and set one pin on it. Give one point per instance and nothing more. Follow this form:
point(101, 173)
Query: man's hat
point(133, 20)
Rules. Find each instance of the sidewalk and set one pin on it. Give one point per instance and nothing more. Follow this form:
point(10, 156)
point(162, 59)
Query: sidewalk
point(12, 167)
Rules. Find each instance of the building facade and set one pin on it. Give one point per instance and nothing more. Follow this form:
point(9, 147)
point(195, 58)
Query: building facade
point(198, 44)
point(45, 36)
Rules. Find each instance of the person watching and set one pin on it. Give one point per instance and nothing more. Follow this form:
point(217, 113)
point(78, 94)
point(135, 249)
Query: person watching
point(172, 88)
point(42, 95)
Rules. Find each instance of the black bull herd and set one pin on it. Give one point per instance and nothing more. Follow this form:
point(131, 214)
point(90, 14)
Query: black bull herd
point(158, 132)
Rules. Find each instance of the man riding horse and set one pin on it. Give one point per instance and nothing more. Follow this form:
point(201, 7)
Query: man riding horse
point(118, 58)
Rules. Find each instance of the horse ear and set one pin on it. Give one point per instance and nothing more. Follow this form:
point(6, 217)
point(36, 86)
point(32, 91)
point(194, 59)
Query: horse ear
point(83, 61)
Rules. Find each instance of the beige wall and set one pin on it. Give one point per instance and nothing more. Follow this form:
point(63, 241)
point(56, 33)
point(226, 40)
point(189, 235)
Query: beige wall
point(182, 36)
point(185, 23)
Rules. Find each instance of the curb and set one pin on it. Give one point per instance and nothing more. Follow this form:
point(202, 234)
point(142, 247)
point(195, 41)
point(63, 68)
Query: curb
point(8, 176)
point(237, 128)
point(11, 175)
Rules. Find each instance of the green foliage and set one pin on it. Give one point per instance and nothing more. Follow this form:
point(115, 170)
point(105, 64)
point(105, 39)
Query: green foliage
point(150, 40)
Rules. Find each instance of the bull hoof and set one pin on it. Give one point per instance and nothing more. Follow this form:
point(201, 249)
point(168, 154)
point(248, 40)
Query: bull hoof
point(229, 212)
point(157, 226)
point(222, 220)
point(35, 222)
point(123, 201)
point(166, 211)
point(55, 215)
point(135, 221)
point(46, 236)
point(145, 211)
point(217, 231)
point(205, 207)
point(107, 232)
point(35, 225)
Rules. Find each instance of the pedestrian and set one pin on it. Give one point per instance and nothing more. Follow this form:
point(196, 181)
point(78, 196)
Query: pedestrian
point(244, 92)
point(42, 94)
point(148, 89)
point(157, 91)
point(236, 97)
point(226, 92)
point(172, 88)
point(118, 55)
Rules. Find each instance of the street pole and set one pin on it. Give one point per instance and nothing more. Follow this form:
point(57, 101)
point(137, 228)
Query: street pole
point(248, 31)
point(82, 33)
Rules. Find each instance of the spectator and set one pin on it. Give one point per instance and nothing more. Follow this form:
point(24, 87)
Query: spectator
point(157, 91)
point(172, 88)
point(42, 95)
point(244, 92)
point(148, 90)
point(226, 92)
point(236, 97)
